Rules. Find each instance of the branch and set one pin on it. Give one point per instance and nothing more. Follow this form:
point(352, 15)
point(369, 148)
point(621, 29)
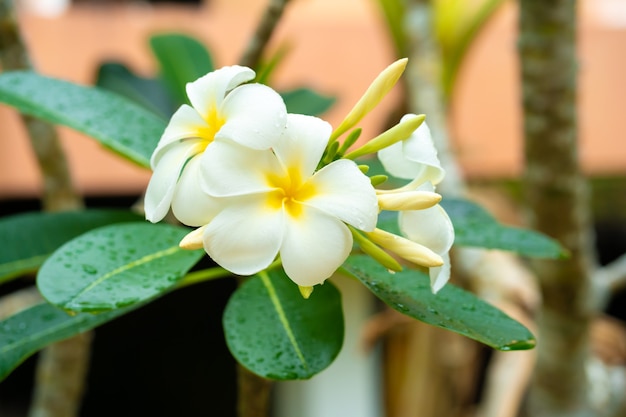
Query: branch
point(58, 190)
point(62, 367)
point(517, 294)
point(264, 31)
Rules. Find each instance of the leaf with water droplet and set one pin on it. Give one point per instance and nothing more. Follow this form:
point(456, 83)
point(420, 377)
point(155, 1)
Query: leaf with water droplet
point(24, 333)
point(24, 249)
point(452, 308)
point(274, 332)
point(99, 280)
point(117, 123)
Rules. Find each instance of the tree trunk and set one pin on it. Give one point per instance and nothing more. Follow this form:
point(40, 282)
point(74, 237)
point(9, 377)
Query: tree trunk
point(556, 194)
point(62, 367)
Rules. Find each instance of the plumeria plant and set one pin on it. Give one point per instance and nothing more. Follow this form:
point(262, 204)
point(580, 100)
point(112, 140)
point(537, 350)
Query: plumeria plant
point(284, 202)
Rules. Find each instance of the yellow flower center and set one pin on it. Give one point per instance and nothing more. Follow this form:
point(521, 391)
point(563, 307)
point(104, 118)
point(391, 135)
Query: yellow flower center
point(290, 191)
point(214, 122)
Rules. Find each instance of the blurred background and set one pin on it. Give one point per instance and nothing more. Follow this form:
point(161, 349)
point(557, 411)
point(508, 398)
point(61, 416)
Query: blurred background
point(335, 48)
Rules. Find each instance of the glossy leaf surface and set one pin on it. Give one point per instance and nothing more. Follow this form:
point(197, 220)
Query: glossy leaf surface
point(273, 331)
point(451, 308)
point(147, 92)
point(305, 101)
point(474, 226)
point(115, 266)
point(28, 239)
point(182, 59)
point(30, 330)
point(117, 123)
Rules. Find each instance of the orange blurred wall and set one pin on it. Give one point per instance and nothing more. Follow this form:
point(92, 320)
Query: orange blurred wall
point(336, 48)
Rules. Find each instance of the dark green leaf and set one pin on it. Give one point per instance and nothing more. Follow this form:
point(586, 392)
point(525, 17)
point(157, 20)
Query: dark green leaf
point(28, 239)
point(114, 121)
point(32, 329)
point(182, 59)
point(146, 92)
point(305, 101)
point(115, 266)
point(474, 226)
point(274, 332)
point(452, 308)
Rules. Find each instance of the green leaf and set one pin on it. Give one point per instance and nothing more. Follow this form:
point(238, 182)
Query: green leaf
point(147, 92)
point(28, 239)
point(273, 331)
point(114, 121)
point(474, 226)
point(451, 308)
point(115, 266)
point(305, 101)
point(182, 59)
point(34, 328)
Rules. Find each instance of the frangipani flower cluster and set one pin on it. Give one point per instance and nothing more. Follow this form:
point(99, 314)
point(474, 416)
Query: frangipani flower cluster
point(262, 186)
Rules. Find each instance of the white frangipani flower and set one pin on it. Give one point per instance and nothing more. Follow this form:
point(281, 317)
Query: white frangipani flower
point(252, 115)
point(416, 159)
point(279, 204)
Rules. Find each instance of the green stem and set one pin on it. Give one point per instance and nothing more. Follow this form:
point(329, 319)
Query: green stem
point(203, 275)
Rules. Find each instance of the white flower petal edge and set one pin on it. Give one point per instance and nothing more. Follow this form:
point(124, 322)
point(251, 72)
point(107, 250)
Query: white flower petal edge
point(440, 275)
point(414, 158)
point(303, 143)
point(432, 228)
point(226, 169)
point(242, 238)
point(314, 246)
point(208, 92)
point(255, 116)
point(162, 184)
point(343, 191)
point(185, 123)
point(191, 205)
point(429, 227)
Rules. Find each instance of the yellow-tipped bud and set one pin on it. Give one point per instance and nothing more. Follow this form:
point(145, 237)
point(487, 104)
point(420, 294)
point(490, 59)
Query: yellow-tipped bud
point(398, 133)
point(305, 291)
point(379, 88)
point(193, 240)
point(378, 254)
point(405, 248)
point(408, 200)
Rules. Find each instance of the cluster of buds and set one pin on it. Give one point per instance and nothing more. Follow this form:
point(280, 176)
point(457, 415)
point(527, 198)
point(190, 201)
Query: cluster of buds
point(261, 185)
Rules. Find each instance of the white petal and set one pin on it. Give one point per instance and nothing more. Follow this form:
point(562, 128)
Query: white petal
point(415, 157)
point(255, 116)
point(430, 227)
point(343, 191)
point(303, 143)
point(394, 162)
point(440, 275)
point(229, 169)
point(209, 91)
point(245, 237)
point(190, 204)
point(185, 123)
point(315, 245)
point(420, 149)
point(164, 178)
